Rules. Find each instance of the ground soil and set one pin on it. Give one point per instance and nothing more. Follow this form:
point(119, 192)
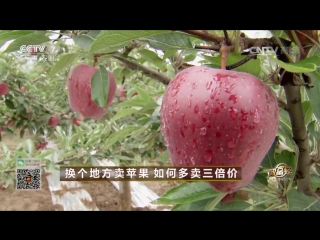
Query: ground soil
point(104, 194)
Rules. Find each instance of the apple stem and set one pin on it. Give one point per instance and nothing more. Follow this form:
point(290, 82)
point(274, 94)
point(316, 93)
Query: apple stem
point(224, 53)
point(211, 205)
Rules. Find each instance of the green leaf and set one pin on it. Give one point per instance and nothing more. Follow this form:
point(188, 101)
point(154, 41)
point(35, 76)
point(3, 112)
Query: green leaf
point(153, 58)
point(253, 66)
point(307, 110)
point(233, 206)
point(63, 62)
point(190, 57)
point(186, 193)
point(119, 135)
point(269, 160)
point(111, 40)
point(284, 116)
point(261, 178)
point(313, 128)
point(30, 39)
point(170, 40)
point(200, 205)
point(304, 66)
point(315, 181)
point(133, 103)
point(9, 104)
point(123, 113)
point(300, 202)
point(314, 94)
point(10, 35)
point(100, 86)
point(169, 53)
point(83, 41)
point(142, 94)
point(93, 33)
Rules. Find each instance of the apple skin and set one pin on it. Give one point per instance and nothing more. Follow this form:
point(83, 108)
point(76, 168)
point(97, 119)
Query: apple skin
point(4, 89)
point(214, 117)
point(79, 92)
point(53, 121)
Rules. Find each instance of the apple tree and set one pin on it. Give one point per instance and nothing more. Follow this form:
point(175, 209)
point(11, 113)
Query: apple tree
point(148, 68)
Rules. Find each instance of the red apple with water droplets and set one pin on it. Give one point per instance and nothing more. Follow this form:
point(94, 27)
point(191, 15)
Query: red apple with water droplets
point(79, 92)
point(4, 89)
point(53, 121)
point(214, 117)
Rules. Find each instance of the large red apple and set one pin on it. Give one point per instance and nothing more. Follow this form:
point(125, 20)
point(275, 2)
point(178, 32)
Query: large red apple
point(79, 92)
point(53, 121)
point(214, 117)
point(4, 89)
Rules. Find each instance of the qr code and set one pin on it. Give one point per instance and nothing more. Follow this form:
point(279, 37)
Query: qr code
point(29, 179)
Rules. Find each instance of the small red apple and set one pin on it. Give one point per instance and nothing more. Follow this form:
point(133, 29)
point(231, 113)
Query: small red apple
point(76, 120)
point(53, 121)
point(79, 92)
point(122, 92)
point(4, 89)
point(23, 89)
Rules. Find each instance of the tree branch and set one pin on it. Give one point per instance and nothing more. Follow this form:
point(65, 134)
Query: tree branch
point(299, 132)
point(147, 71)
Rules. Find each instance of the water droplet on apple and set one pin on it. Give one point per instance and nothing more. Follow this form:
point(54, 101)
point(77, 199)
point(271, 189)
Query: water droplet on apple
point(186, 124)
point(194, 85)
point(233, 98)
point(166, 143)
point(256, 117)
point(206, 110)
point(184, 154)
point(203, 131)
point(216, 110)
point(182, 117)
point(208, 85)
point(182, 133)
point(193, 128)
point(219, 149)
point(192, 161)
point(208, 155)
point(231, 143)
point(174, 92)
point(213, 93)
point(196, 109)
point(190, 102)
point(261, 131)
point(194, 143)
point(233, 113)
point(175, 101)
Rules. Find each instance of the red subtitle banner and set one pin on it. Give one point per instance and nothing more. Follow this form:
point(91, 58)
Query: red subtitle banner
point(216, 174)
